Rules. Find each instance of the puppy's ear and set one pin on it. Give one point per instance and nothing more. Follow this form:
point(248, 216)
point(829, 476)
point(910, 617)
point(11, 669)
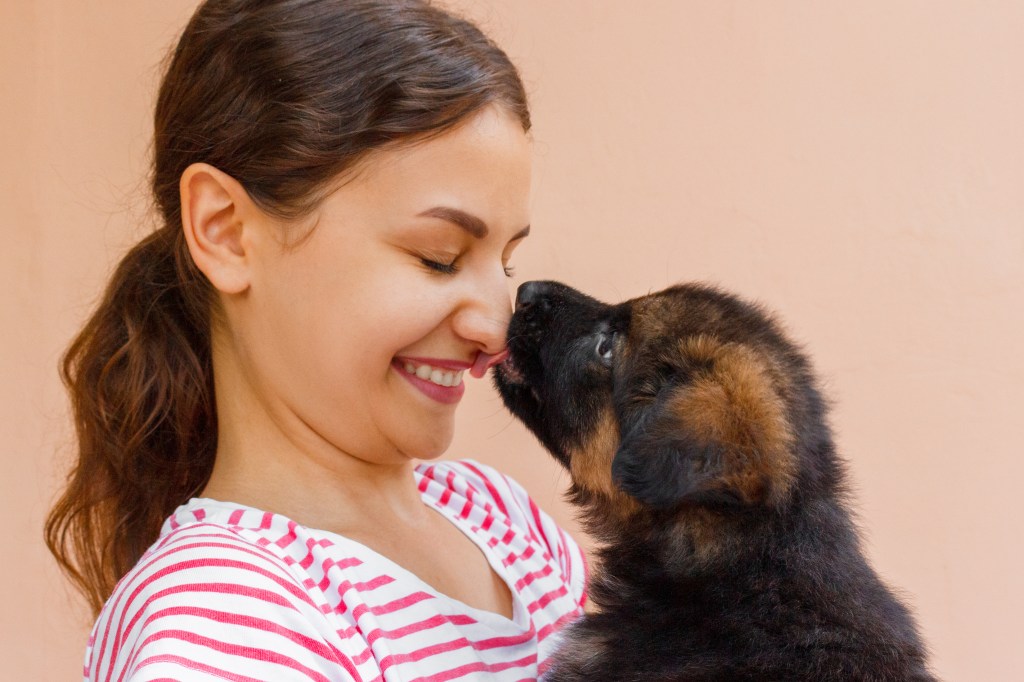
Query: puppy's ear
point(661, 465)
point(721, 438)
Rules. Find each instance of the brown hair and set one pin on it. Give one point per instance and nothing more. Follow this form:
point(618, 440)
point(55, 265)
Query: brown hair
point(283, 96)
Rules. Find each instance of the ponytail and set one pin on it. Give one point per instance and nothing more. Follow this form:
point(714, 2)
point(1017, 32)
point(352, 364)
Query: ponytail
point(140, 381)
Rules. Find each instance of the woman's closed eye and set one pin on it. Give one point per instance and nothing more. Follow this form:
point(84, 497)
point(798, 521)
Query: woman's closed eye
point(453, 267)
point(446, 268)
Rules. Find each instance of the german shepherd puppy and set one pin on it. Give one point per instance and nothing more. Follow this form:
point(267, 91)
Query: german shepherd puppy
point(701, 458)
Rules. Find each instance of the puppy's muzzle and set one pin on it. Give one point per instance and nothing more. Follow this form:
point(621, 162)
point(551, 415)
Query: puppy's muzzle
point(533, 305)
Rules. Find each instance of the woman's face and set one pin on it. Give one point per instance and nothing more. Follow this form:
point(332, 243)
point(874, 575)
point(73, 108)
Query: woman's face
point(400, 286)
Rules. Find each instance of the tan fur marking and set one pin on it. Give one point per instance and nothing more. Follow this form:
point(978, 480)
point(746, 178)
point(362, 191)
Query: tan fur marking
point(699, 535)
point(650, 316)
point(702, 348)
point(737, 406)
point(591, 465)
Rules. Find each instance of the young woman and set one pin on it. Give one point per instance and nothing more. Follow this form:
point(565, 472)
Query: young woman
point(341, 185)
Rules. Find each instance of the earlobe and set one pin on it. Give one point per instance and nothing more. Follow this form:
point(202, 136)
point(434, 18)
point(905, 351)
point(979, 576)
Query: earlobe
point(214, 208)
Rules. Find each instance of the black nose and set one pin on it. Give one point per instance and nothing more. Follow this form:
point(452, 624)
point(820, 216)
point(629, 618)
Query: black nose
point(533, 297)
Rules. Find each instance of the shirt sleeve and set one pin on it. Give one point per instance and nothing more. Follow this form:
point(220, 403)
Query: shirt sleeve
point(208, 605)
point(523, 512)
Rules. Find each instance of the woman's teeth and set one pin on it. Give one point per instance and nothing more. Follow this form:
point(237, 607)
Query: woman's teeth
point(441, 377)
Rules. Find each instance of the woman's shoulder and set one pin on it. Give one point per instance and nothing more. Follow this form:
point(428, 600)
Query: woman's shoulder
point(218, 579)
point(223, 553)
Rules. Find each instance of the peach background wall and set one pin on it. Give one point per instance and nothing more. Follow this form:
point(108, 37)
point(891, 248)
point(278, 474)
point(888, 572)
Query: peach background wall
point(857, 166)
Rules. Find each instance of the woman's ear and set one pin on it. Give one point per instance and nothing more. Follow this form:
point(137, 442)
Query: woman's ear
point(217, 215)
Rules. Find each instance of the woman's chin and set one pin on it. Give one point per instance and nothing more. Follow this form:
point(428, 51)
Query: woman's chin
point(428, 448)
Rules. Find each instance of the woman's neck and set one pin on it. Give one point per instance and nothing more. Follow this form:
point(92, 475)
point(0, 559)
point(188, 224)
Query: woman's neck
point(270, 458)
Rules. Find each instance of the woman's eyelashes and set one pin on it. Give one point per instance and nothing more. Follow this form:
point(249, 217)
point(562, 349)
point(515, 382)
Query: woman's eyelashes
point(446, 268)
point(453, 267)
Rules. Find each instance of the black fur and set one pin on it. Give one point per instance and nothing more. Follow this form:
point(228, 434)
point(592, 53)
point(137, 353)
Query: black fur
point(710, 567)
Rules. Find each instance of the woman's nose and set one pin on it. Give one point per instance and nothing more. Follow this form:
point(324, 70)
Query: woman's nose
point(484, 318)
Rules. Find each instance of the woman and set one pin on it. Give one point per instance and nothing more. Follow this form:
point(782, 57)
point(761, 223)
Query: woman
point(341, 186)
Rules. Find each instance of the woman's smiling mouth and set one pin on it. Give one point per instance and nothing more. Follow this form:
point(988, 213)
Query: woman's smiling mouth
point(441, 383)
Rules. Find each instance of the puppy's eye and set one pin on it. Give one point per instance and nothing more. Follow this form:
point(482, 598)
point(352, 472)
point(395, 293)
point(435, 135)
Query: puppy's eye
point(605, 348)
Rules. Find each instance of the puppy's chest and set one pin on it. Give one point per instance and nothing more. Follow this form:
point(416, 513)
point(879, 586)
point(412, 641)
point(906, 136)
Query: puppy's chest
point(654, 635)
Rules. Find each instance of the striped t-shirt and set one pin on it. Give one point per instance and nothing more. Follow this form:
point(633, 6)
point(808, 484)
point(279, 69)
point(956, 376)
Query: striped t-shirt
point(229, 592)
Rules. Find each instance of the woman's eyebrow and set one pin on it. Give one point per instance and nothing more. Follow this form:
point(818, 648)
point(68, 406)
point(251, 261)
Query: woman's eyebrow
point(470, 223)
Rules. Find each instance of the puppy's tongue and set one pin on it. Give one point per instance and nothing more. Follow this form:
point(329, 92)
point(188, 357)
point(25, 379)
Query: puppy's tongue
point(485, 362)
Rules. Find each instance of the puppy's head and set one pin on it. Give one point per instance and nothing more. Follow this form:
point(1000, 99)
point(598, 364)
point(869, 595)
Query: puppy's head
point(684, 399)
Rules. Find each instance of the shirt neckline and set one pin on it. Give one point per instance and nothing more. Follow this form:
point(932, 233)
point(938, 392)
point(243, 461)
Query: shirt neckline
point(520, 620)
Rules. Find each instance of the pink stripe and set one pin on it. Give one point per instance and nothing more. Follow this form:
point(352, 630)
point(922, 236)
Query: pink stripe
point(122, 587)
point(201, 563)
point(233, 649)
point(192, 665)
point(189, 533)
point(216, 588)
point(391, 606)
point(464, 670)
point(236, 517)
point(564, 557)
point(268, 519)
point(586, 580)
point(420, 654)
point(318, 647)
point(533, 575)
point(467, 508)
point(427, 624)
point(563, 620)
point(471, 490)
point(364, 656)
point(289, 537)
point(445, 496)
point(535, 510)
point(499, 642)
point(199, 514)
point(547, 599)
point(365, 586)
point(455, 644)
point(308, 560)
point(490, 488)
point(340, 564)
point(513, 557)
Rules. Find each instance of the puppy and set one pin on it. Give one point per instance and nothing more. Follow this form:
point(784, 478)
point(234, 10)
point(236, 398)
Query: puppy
point(700, 455)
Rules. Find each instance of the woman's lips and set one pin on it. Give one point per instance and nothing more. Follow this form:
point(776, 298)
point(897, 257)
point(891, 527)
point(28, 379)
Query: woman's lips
point(444, 394)
point(446, 370)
